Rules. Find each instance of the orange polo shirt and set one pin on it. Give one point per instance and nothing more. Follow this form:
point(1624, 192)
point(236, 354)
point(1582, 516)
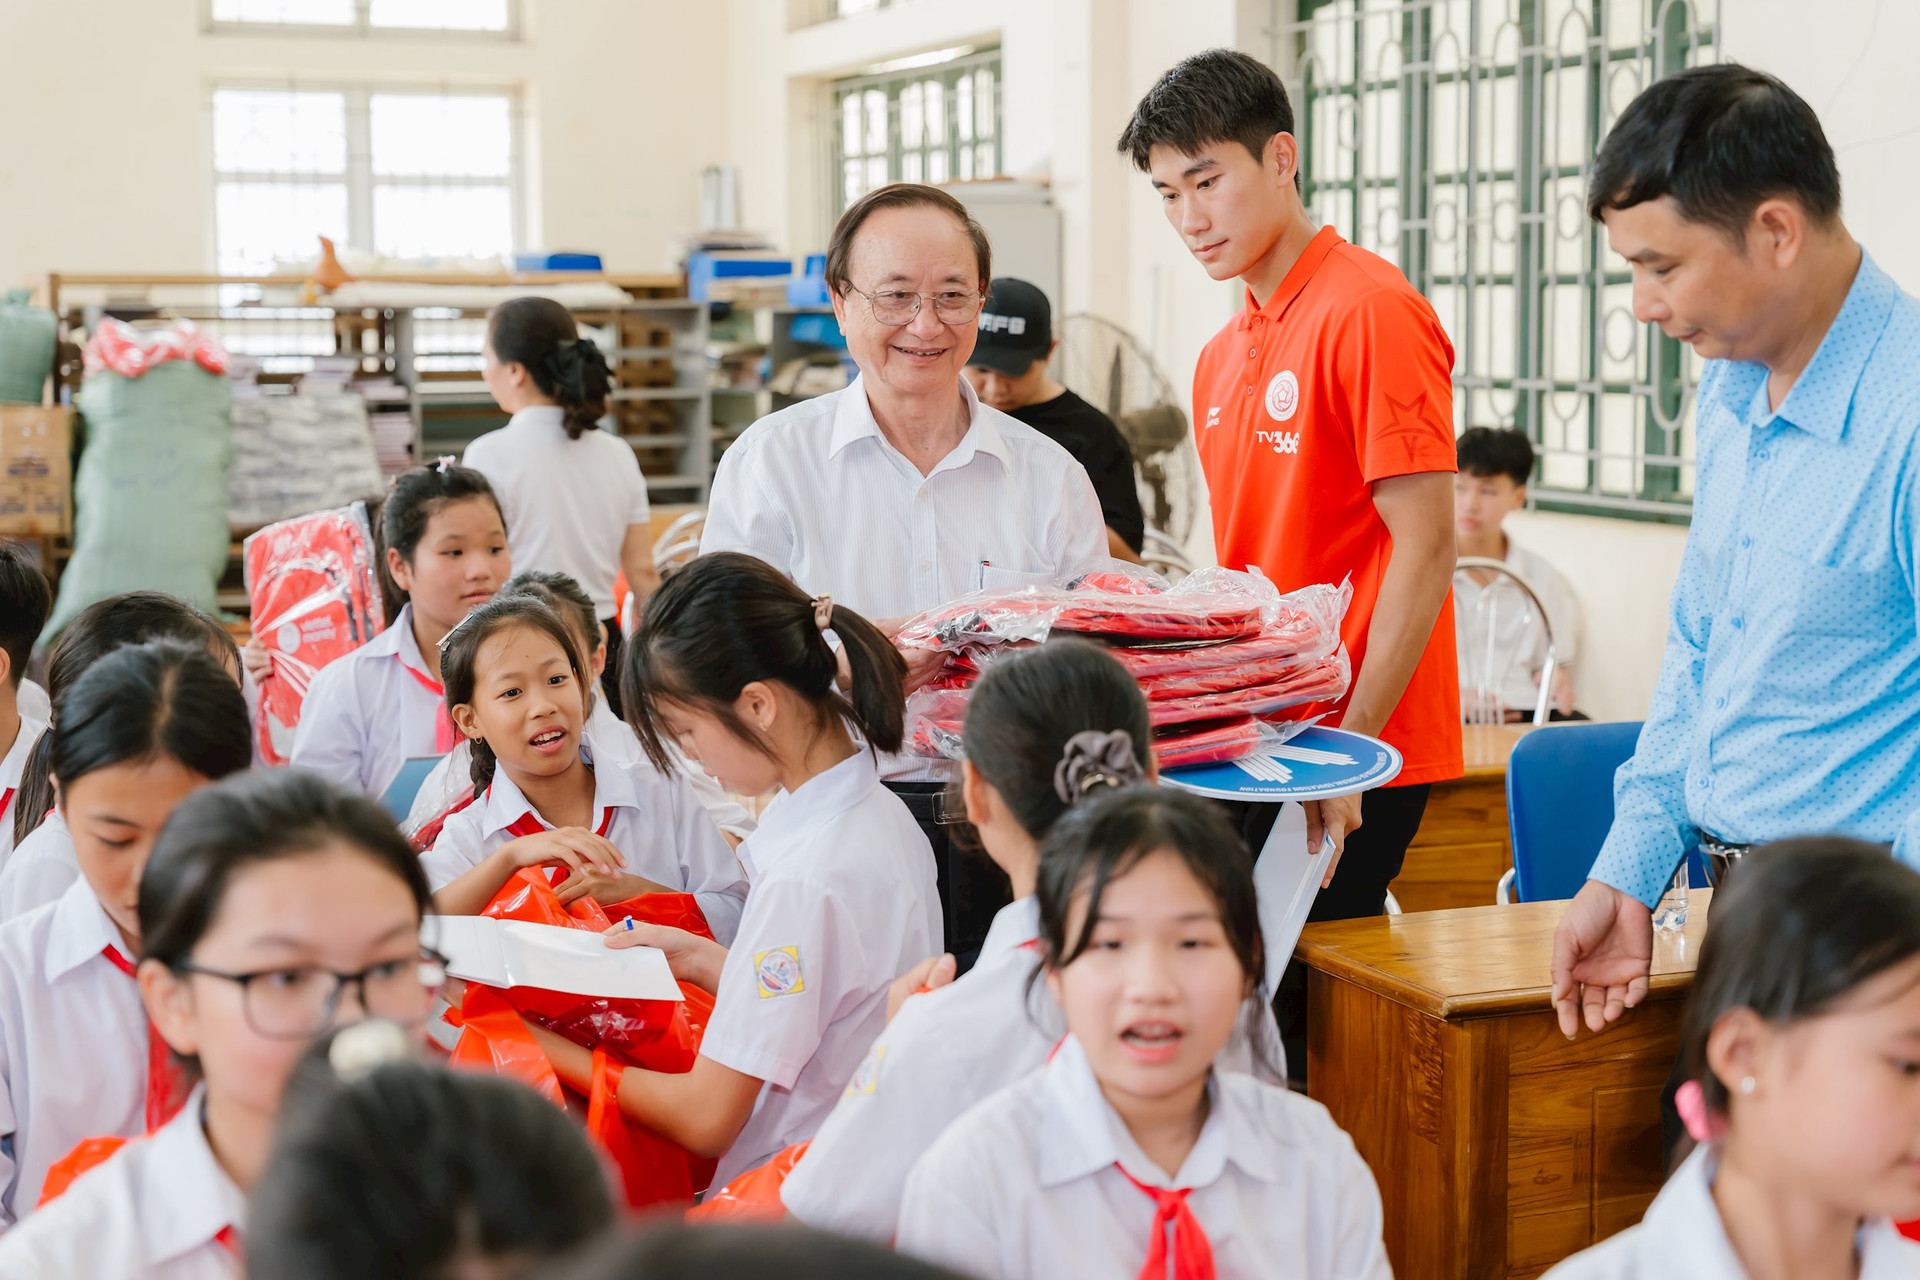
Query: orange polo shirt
point(1342, 379)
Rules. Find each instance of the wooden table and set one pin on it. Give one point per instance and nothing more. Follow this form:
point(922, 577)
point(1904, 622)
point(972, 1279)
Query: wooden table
point(1462, 848)
point(1500, 1147)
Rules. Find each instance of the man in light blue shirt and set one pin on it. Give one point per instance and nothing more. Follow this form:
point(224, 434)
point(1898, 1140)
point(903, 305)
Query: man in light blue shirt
point(1789, 697)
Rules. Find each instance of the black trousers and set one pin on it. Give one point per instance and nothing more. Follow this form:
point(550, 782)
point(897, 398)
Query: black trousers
point(610, 678)
point(1389, 819)
point(972, 888)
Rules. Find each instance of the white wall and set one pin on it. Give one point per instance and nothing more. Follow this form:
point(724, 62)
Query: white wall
point(105, 156)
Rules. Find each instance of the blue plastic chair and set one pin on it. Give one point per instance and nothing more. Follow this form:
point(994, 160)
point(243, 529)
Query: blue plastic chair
point(1560, 804)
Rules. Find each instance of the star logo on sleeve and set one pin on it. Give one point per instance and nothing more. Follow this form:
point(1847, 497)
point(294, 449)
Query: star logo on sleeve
point(1408, 426)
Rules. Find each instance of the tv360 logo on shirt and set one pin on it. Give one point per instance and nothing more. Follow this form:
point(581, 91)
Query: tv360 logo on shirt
point(1283, 401)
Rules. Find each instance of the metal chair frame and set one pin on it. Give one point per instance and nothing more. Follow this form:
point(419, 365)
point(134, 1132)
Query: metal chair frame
point(1488, 565)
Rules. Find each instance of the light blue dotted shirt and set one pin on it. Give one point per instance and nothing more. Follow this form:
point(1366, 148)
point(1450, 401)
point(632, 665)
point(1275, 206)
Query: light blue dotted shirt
point(1789, 696)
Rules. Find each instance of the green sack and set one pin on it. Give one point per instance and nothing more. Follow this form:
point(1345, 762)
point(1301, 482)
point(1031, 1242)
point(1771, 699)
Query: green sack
point(150, 499)
point(26, 348)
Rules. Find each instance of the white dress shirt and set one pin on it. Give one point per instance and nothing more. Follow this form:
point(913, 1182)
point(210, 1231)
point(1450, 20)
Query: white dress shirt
point(33, 703)
point(73, 1044)
point(653, 820)
point(1682, 1238)
point(160, 1208)
point(567, 503)
point(368, 713)
point(842, 902)
point(451, 781)
point(943, 1052)
point(40, 870)
point(1497, 629)
point(1028, 1186)
point(12, 765)
point(816, 491)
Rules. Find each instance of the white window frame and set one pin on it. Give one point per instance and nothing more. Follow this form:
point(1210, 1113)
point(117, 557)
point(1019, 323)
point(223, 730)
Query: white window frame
point(360, 28)
point(359, 178)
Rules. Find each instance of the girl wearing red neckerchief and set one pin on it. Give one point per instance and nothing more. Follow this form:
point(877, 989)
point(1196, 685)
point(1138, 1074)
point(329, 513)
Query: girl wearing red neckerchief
point(1129, 1154)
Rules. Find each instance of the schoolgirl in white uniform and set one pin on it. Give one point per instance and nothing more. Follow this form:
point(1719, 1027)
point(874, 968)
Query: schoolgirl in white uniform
point(44, 865)
point(1801, 1044)
point(573, 494)
point(272, 895)
point(517, 687)
point(25, 602)
point(77, 1060)
point(733, 661)
point(1131, 1153)
point(368, 713)
point(1045, 729)
point(450, 785)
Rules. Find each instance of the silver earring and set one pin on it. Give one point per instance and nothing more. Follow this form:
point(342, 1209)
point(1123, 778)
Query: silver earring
point(1746, 1084)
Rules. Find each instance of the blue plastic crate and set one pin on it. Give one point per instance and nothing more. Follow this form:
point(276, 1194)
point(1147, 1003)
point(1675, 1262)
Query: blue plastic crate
point(556, 262)
point(809, 289)
point(703, 269)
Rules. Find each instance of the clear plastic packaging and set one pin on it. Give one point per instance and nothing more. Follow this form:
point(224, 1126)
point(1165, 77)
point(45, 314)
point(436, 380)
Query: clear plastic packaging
point(315, 596)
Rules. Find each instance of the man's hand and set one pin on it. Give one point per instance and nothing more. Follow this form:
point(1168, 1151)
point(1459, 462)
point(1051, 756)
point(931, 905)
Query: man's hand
point(922, 666)
point(929, 975)
point(1338, 818)
point(1602, 957)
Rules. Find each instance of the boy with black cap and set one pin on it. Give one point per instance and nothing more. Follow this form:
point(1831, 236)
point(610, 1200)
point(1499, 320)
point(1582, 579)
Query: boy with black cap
point(1008, 371)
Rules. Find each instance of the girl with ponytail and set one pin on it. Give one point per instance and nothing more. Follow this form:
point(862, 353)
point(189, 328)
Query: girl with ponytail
point(738, 667)
point(610, 827)
point(572, 494)
point(1048, 731)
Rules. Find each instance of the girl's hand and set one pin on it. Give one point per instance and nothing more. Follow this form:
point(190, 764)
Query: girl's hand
point(929, 975)
point(605, 889)
point(255, 658)
point(691, 957)
point(574, 847)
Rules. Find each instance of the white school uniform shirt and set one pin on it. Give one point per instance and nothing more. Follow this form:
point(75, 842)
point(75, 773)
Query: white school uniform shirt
point(368, 713)
point(567, 503)
point(1499, 615)
point(73, 1044)
point(1682, 1238)
point(943, 1052)
point(843, 902)
point(655, 821)
point(40, 870)
point(33, 703)
point(816, 491)
point(156, 1210)
point(1025, 1186)
point(12, 765)
point(452, 780)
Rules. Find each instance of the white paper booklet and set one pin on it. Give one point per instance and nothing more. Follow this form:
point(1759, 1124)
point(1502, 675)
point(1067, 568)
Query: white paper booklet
point(514, 953)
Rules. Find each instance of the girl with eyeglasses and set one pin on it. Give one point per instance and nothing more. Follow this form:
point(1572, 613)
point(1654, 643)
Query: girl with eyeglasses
point(275, 907)
point(138, 731)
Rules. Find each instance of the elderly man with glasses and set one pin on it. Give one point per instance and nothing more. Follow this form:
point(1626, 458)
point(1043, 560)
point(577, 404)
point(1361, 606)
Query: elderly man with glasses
point(903, 491)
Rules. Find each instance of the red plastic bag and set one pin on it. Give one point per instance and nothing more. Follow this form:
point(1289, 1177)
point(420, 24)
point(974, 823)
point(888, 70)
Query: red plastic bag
point(314, 593)
point(660, 1035)
point(1210, 744)
point(130, 352)
point(1212, 605)
point(652, 1171)
point(754, 1196)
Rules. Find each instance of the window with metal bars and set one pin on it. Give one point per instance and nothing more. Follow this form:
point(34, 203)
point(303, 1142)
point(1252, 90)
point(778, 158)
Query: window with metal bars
point(933, 123)
point(365, 17)
point(1454, 138)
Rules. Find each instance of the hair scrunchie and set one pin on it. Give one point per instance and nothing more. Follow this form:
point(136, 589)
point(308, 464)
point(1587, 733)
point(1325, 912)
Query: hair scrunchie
point(567, 365)
point(1093, 758)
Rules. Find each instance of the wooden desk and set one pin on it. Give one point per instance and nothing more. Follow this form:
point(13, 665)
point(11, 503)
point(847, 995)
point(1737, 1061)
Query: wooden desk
point(1500, 1147)
point(1462, 848)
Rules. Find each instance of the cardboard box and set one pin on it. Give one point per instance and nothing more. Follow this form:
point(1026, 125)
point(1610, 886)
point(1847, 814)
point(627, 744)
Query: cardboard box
point(36, 474)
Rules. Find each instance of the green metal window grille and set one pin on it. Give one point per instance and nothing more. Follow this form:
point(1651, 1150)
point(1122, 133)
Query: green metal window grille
point(931, 124)
point(1454, 138)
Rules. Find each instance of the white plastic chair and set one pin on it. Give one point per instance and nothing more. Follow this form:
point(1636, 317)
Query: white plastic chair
point(1487, 669)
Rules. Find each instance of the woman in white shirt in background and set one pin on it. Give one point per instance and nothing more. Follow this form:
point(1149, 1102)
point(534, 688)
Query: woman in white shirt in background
point(572, 494)
point(1130, 1153)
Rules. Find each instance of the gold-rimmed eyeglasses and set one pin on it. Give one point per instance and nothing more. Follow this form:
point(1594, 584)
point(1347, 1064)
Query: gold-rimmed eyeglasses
point(900, 306)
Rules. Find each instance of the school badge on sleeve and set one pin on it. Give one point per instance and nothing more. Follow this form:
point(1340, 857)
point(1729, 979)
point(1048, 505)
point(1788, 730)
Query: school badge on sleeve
point(867, 1078)
point(778, 972)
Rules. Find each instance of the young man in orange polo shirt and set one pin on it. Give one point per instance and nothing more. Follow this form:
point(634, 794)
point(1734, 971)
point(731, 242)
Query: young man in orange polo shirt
point(1324, 418)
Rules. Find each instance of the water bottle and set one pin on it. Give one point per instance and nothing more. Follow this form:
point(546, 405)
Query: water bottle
point(1670, 916)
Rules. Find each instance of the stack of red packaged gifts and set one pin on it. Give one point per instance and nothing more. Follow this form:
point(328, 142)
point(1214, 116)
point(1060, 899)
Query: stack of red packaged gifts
point(1228, 664)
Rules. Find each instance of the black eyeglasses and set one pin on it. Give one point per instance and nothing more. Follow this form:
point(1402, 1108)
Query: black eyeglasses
point(300, 1002)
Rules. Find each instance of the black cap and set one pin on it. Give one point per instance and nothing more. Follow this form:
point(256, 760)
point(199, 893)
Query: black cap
point(1016, 328)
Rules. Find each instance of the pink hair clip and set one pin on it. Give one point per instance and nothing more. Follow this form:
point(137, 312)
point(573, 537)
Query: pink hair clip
point(446, 463)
